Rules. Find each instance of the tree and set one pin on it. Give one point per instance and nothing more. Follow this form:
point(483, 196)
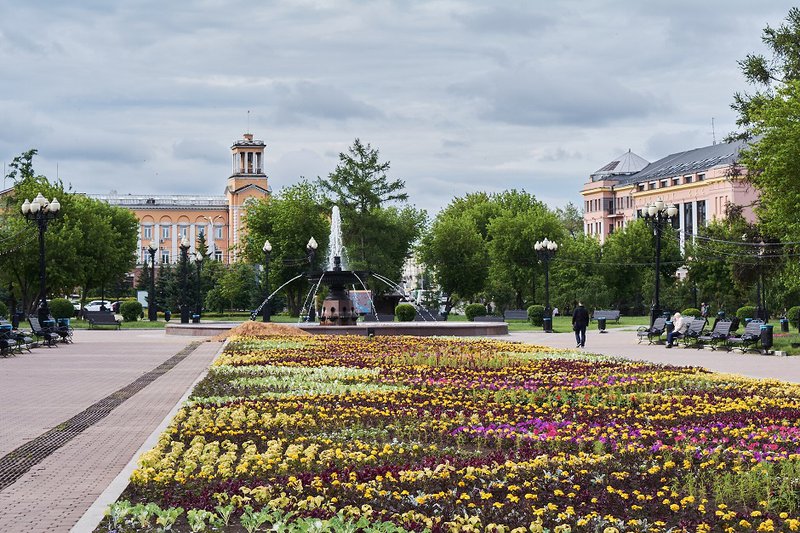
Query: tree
point(571, 218)
point(576, 275)
point(288, 219)
point(361, 188)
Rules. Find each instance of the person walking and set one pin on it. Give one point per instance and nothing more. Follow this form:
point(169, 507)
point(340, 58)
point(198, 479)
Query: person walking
point(677, 326)
point(580, 321)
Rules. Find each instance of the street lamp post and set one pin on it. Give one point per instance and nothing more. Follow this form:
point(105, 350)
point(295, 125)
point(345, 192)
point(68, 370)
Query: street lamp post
point(152, 308)
point(267, 248)
point(658, 215)
point(546, 250)
point(198, 259)
point(40, 212)
point(311, 249)
point(183, 301)
point(761, 308)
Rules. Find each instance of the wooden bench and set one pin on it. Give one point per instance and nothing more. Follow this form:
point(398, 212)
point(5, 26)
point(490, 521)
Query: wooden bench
point(516, 314)
point(608, 314)
point(101, 318)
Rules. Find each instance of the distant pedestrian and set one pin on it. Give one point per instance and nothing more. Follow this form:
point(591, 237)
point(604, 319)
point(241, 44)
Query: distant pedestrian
point(580, 321)
point(704, 310)
point(555, 311)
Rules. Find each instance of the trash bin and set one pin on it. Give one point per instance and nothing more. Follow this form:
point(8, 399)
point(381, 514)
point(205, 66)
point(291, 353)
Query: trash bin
point(784, 325)
point(62, 321)
point(766, 336)
point(547, 324)
point(195, 319)
point(167, 315)
point(669, 327)
point(16, 318)
point(601, 324)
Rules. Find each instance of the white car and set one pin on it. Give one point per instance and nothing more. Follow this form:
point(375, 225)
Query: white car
point(95, 305)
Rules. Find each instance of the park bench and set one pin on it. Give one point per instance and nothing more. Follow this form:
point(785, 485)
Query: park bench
point(16, 339)
point(749, 337)
point(516, 314)
point(101, 318)
point(488, 318)
point(46, 334)
point(718, 336)
point(694, 330)
point(652, 333)
point(608, 314)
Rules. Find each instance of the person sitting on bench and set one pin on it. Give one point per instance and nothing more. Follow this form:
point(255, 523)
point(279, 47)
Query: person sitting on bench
point(677, 325)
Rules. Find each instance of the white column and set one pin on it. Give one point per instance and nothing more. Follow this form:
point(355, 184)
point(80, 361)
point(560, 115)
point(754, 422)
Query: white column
point(192, 238)
point(175, 240)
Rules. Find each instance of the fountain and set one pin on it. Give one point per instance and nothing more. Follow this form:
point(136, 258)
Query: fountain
point(338, 314)
point(337, 308)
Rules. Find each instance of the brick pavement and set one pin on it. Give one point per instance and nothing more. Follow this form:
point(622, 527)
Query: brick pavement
point(44, 388)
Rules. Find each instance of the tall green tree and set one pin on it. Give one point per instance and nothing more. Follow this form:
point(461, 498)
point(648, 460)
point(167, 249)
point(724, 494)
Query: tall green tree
point(288, 220)
point(363, 191)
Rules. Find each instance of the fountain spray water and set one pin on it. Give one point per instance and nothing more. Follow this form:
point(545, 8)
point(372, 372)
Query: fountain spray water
point(335, 245)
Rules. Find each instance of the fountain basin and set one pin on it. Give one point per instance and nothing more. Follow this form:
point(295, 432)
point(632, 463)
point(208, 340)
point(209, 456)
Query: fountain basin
point(419, 329)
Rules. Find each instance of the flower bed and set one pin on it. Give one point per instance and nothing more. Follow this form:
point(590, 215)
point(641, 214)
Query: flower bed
point(412, 434)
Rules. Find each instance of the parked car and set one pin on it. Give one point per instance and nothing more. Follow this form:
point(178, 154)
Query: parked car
point(95, 305)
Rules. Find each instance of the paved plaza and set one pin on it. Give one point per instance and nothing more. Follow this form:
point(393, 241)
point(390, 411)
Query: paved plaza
point(48, 389)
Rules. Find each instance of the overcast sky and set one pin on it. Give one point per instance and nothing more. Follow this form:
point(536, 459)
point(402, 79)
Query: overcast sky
point(147, 96)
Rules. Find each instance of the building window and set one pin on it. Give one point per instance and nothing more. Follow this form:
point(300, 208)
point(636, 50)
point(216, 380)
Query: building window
point(664, 183)
point(147, 232)
point(651, 185)
point(687, 179)
point(183, 231)
point(218, 232)
point(701, 213)
point(688, 225)
point(676, 181)
point(165, 256)
point(640, 187)
point(218, 255)
point(200, 230)
point(165, 232)
point(701, 177)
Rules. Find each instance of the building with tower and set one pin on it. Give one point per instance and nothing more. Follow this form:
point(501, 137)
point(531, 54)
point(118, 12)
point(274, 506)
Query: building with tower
point(168, 219)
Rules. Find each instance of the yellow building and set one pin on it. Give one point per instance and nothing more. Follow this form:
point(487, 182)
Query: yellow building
point(168, 219)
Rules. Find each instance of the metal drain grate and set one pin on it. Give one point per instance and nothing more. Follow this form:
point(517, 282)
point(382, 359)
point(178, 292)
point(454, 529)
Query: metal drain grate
point(14, 464)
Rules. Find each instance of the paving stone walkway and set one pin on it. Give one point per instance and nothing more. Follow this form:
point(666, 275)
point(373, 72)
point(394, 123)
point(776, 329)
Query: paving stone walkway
point(40, 390)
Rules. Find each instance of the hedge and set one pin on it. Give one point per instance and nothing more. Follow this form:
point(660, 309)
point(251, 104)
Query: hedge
point(746, 311)
point(691, 311)
point(536, 314)
point(130, 310)
point(405, 312)
point(473, 310)
point(793, 314)
point(61, 308)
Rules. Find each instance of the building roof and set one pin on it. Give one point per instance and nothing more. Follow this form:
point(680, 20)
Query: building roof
point(163, 201)
point(624, 165)
point(688, 162)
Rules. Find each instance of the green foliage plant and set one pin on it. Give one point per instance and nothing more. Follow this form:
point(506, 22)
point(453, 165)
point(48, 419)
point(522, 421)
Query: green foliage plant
point(793, 314)
point(536, 314)
point(130, 310)
point(474, 310)
point(691, 311)
point(4, 310)
point(405, 312)
point(61, 308)
point(746, 311)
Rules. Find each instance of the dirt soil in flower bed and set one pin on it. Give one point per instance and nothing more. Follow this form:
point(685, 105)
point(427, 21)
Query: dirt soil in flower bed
point(260, 330)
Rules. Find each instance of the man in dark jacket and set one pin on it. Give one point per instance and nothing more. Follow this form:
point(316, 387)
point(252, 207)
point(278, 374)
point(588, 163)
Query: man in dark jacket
point(580, 321)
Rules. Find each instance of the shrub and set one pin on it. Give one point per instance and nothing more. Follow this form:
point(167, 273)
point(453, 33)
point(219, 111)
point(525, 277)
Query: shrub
point(746, 311)
point(405, 312)
point(130, 310)
point(691, 311)
point(473, 310)
point(61, 308)
point(536, 314)
point(4, 310)
point(793, 314)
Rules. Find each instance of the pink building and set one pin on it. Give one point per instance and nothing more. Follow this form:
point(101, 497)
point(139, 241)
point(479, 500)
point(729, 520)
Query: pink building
point(700, 182)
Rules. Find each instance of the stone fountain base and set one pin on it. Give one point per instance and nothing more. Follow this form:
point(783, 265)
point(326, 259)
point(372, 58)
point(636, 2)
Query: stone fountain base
point(420, 329)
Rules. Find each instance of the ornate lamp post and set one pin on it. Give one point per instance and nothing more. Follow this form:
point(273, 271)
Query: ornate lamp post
point(267, 248)
point(658, 215)
point(184, 300)
point(198, 259)
point(761, 309)
point(546, 250)
point(40, 212)
point(152, 307)
point(311, 249)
